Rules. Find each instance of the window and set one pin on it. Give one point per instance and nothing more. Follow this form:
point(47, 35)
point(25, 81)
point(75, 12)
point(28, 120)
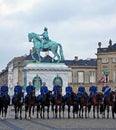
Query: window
point(92, 77)
point(104, 60)
point(80, 77)
point(75, 74)
point(114, 76)
point(114, 59)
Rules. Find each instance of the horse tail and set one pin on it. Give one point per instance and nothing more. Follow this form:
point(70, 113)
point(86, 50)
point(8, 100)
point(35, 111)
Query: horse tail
point(61, 52)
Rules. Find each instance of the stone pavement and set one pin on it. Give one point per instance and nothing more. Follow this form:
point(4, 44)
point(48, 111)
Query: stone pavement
point(56, 124)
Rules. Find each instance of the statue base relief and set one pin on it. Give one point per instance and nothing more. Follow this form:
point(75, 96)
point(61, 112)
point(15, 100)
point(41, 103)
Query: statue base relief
point(50, 73)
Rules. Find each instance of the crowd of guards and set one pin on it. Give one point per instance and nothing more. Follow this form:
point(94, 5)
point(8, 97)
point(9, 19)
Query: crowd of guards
point(68, 90)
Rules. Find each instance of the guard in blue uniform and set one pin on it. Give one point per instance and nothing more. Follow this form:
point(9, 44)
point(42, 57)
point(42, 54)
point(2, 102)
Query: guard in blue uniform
point(92, 90)
point(106, 90)
point(55, 90)
point(43, 90)
point(68, 91)
point(29, 90)
point(17, 89)
point(4, 92)
point(81, 91)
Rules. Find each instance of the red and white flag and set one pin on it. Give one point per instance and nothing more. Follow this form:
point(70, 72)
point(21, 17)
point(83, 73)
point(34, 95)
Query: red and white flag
point(102, 79)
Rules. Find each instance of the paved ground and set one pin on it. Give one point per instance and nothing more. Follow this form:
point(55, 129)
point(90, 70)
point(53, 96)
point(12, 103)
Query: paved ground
point(57, 124)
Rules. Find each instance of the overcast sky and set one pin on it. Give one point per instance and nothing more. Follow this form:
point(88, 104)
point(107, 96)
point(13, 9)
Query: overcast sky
point(77, 24)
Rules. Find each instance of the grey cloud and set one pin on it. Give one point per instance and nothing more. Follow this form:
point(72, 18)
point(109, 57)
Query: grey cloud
point(66, 21)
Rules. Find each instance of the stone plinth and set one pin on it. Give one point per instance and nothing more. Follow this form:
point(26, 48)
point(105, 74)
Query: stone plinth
point(47, 72)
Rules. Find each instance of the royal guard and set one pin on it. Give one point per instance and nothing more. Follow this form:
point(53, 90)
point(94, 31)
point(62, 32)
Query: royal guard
point(92, 90)
point(17, 89)
point(43, 90)
point(68, 91)
point(81, 91)
point(29, 90)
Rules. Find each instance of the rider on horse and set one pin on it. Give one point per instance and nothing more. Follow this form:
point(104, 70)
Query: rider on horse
point(68, 91)
point(17, 89)
point(92, 90)
point(81, 91)
point(43, 90)
point(29, 90)
point(4, 92)
point(106, 90)
point(55, 90)
point(45, 36)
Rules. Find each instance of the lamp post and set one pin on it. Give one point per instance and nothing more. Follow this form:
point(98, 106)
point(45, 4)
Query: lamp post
point(106, 72)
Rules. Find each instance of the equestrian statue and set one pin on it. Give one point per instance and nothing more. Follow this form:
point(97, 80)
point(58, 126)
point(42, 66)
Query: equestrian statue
point(42, 43)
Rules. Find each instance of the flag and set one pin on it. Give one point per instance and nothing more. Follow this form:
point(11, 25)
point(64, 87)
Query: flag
point(102, 79)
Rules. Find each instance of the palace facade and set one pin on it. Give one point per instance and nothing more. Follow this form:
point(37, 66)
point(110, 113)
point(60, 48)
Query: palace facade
point(81, 71)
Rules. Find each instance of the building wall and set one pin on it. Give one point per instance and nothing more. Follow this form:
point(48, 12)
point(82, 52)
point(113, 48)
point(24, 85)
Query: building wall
point(4, 77)
point(13, 73)
point(47, 73)
point(86, 74)
point(109, 64)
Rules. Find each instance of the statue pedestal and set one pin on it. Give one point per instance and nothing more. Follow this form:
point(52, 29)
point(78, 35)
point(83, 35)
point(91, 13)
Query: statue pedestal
point(47, 72)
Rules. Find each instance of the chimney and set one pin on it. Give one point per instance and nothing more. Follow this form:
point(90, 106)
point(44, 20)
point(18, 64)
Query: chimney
point(76, 58)
point(99, 44)
point(110, 43)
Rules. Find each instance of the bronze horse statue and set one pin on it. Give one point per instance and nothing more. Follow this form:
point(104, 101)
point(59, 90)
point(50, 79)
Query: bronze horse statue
point(50, 46)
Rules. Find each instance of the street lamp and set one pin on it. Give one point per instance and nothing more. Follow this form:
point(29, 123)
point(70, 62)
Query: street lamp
point(106, 72)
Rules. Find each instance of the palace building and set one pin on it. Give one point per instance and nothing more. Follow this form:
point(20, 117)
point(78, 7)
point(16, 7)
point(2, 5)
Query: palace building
point(81, 71)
